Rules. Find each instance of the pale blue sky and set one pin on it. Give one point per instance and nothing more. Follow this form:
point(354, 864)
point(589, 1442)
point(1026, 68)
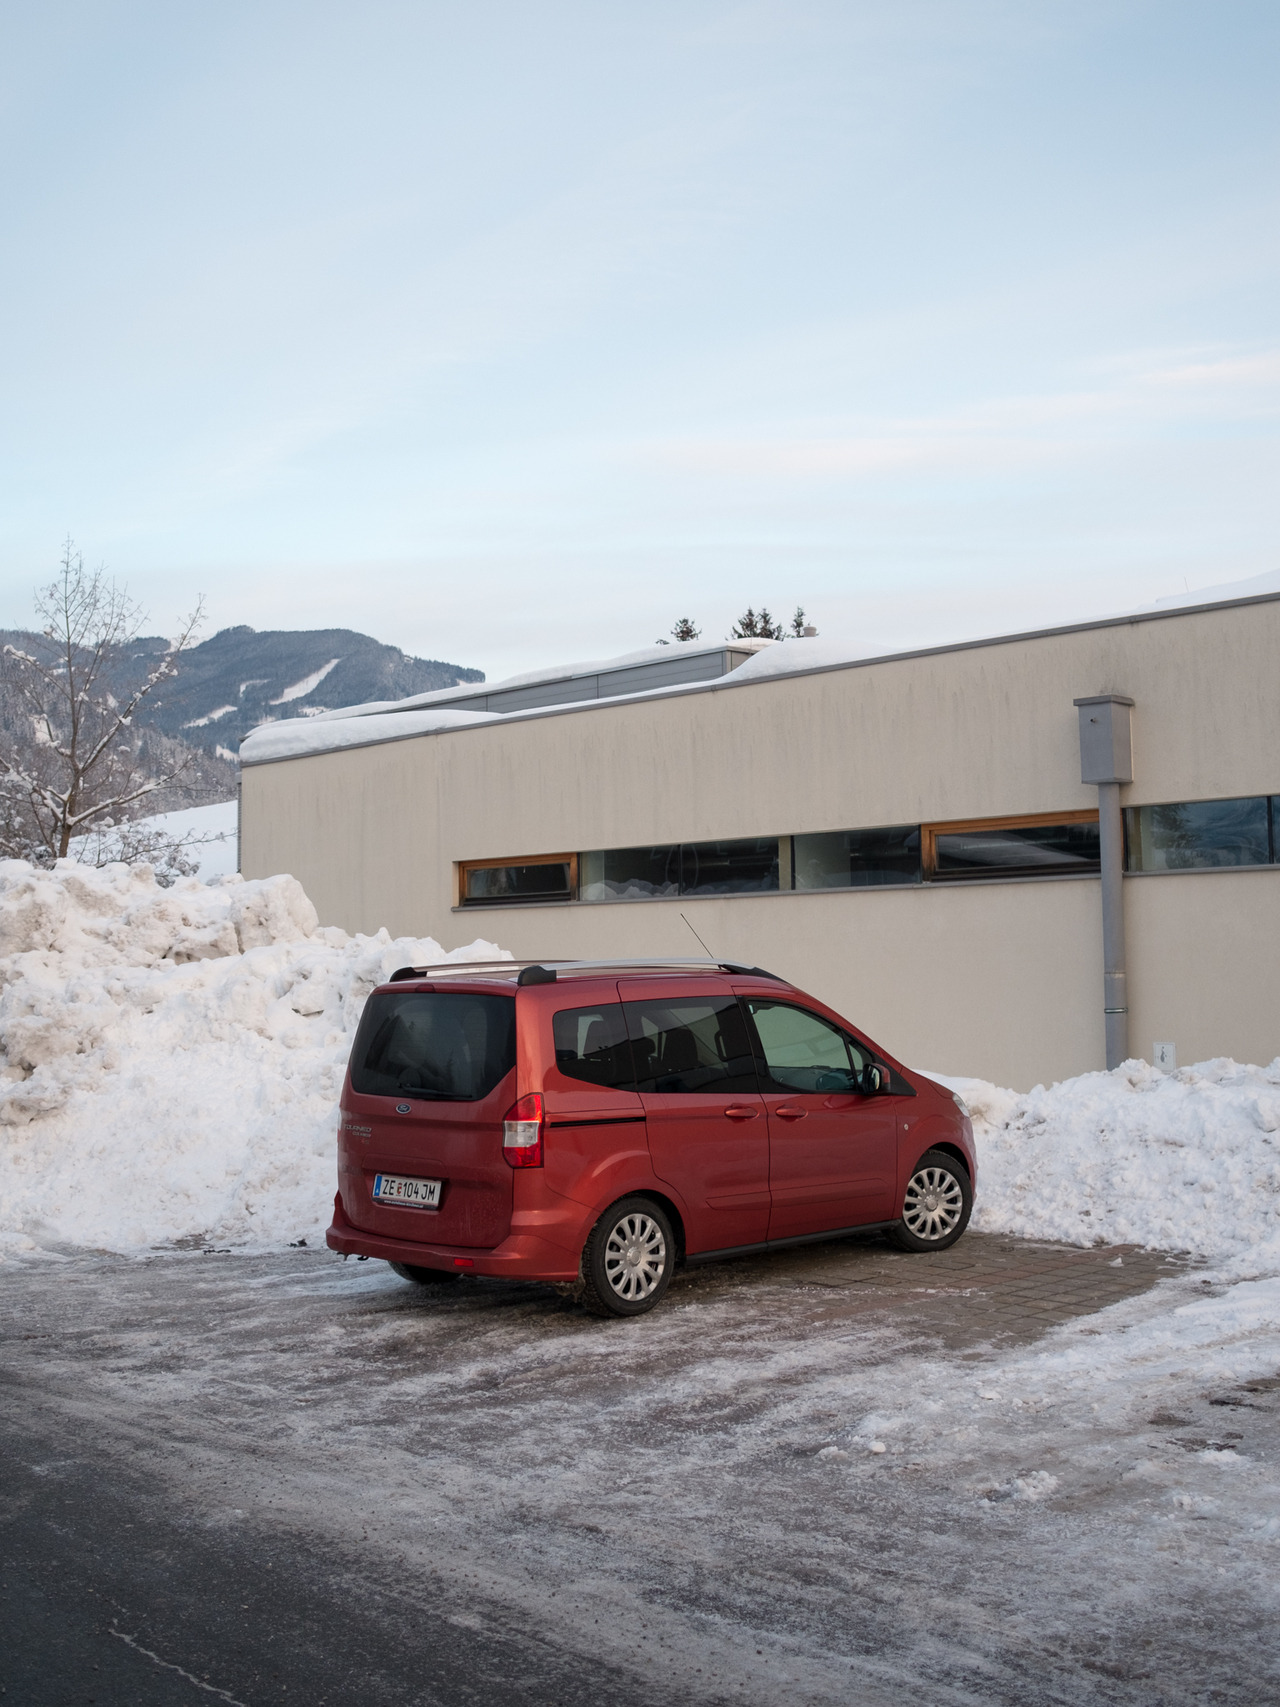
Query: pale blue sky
point(509, 332)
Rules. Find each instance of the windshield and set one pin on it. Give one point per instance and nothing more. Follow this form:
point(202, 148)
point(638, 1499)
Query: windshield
point(455, 1046)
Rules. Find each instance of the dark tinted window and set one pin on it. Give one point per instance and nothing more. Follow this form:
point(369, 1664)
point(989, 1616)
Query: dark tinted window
point(1199, 833)
point(454, 1046)
point(729, 868)
point(680, 868)
point(857, 859)
point(696, 1043)
point(801, 1051)
point(533, 882)
point(630, 874)
point(1032, 850)
point(591, 1044)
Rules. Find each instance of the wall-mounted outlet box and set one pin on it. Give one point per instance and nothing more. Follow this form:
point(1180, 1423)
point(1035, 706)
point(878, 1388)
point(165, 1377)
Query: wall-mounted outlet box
point(1164, 1056)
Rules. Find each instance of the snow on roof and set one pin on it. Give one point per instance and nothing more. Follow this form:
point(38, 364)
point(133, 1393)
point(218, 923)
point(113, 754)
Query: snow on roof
point(657, 654)
point(294, 737)
point(1257, 586)
point(430, 713)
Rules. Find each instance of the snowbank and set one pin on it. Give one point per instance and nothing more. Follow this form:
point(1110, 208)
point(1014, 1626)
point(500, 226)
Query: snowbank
point(1176, 1161)
point(170, 1058)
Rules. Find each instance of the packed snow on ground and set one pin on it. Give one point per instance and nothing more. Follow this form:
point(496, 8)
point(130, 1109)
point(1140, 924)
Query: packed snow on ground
point(1187, 1161)
point(170, 1059)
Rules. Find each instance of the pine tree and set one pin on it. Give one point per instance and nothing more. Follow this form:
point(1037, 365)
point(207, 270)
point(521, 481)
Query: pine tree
point(757, 625)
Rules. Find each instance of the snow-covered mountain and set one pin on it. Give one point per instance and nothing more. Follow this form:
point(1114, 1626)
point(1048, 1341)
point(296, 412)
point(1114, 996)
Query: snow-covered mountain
point(240, 677)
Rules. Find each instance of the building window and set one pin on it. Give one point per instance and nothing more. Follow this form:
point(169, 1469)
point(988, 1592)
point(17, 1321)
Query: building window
point(1195, 835)
point(552, 877)
point(857, 859)
point(1049, 845)
point(681, 868)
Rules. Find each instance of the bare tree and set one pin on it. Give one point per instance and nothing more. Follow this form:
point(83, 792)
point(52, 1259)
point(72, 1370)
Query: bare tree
point(170, 857)
point(70, 759)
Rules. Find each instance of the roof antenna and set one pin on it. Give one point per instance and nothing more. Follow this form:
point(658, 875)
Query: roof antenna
point(705, 949)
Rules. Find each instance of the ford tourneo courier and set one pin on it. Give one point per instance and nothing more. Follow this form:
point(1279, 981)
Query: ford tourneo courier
point(598, 1126)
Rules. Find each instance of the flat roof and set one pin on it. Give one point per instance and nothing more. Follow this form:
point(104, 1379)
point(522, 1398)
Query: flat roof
point(430, 714)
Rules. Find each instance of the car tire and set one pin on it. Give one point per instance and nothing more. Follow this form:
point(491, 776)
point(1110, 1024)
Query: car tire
point(936, 1205)
point(423, 1276)
point(628, 1260)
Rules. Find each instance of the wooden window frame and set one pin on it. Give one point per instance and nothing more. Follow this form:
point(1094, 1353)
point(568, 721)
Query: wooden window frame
point(463, 868)
point(929, 834)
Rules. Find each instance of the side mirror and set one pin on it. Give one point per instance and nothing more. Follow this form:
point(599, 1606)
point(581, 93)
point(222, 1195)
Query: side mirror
point(873, 1081)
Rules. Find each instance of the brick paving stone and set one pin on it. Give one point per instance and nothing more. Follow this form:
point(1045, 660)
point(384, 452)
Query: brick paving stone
point(987, 1288)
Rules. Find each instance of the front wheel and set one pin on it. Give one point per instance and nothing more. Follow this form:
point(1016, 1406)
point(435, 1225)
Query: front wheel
point(628, 1260)
point(936, 1205)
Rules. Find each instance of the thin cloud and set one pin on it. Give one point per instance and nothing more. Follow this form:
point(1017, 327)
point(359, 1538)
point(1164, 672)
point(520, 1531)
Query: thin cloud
point(1001, 434)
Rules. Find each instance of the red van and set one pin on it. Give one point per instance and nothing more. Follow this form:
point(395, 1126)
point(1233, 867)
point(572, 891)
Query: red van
point(599, 1125)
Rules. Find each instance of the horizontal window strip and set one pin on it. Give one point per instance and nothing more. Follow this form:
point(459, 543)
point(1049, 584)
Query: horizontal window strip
point(1195, 835)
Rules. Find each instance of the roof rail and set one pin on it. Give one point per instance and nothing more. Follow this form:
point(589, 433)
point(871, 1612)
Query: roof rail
point(627, 963)
point(546, 971)
point(403, 972)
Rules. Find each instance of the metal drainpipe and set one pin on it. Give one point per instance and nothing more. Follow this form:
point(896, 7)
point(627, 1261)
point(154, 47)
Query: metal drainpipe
point(1106, 758)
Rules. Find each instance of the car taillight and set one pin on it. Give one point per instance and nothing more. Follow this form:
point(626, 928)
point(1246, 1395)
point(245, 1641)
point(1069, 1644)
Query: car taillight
point(522, 1132)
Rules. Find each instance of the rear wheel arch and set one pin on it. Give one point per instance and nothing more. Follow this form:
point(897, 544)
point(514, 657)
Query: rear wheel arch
point(671, 1211)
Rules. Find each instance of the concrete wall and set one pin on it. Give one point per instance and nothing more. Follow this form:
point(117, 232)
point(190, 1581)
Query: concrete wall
point(997, 979)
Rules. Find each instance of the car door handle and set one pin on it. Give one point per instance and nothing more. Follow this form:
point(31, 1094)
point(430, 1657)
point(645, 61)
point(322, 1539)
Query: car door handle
point(736, 1111)
point(785, 1113)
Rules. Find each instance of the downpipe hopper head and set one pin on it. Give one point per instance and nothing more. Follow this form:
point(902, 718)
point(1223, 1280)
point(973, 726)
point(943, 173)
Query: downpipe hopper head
point(1106, 738)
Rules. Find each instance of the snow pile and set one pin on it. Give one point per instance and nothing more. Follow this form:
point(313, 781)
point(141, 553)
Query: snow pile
point(1176, 1161)
point(170, 1059)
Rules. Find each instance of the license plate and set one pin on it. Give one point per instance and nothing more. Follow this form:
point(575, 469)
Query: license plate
point(407, 1193)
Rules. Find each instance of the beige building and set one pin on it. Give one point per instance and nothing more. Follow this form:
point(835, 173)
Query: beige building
point(906, 836)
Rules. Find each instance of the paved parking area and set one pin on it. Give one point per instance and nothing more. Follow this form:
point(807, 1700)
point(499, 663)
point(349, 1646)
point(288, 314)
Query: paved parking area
point(836, 1474)
point(988, 1289)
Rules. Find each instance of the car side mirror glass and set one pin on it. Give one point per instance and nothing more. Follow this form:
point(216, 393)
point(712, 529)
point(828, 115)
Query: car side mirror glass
point(873, 1081)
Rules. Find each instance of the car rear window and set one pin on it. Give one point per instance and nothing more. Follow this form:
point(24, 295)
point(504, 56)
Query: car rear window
point(454, 1046)
point(591, 1044)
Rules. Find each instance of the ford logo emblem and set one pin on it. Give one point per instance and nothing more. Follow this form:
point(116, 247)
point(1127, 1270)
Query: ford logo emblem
point(404, 1108)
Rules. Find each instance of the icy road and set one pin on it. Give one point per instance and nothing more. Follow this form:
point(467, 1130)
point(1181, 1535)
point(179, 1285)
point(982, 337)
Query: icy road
point(1009, 1473)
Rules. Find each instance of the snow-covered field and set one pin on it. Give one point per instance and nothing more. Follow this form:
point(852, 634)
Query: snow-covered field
point(208, 833)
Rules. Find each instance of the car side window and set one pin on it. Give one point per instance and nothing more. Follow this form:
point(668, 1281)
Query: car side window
point(696, 1044)
point(591, 1044)
point(799, 1051)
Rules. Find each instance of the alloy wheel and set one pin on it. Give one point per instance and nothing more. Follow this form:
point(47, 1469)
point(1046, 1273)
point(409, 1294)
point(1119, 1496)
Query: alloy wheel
point(933, 1204)
point(635, 1256)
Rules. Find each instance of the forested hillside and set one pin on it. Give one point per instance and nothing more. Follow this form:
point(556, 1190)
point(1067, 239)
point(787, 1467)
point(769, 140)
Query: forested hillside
point(239, 678)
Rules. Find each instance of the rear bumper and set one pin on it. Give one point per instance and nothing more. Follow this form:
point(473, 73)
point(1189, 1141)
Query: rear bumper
point(524, 1254)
